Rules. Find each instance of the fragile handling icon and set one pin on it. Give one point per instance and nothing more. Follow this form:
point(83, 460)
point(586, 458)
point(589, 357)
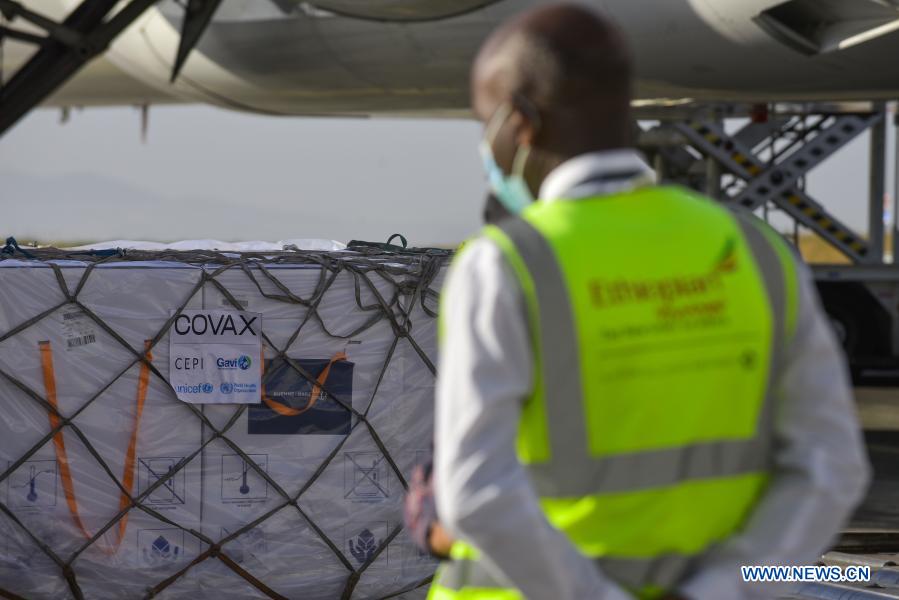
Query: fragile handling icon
point(365, 476)
point(363, 546)
point(160, 546)
point(366, 541)
point(162, 549)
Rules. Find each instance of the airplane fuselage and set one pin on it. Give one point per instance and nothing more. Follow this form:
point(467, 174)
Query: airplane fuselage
point(285, 57)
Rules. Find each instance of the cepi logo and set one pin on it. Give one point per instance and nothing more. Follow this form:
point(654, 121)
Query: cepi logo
point(243, 363)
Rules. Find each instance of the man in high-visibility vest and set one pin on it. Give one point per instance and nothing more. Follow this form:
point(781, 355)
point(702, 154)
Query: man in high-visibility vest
point(638, 390)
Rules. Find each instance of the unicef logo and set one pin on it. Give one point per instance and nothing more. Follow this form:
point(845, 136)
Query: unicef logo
point(208, 388)
point(244, 362)
point(226, 388)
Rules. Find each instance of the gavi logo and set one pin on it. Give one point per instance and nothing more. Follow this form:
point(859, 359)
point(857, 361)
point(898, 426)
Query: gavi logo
point(243, 363)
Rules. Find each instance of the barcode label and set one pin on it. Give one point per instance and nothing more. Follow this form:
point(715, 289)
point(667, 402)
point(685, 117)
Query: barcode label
point(225, 303)
point(81, 341)
point(78, 330)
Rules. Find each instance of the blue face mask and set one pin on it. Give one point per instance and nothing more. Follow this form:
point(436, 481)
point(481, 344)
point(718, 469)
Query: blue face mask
point(511, 190)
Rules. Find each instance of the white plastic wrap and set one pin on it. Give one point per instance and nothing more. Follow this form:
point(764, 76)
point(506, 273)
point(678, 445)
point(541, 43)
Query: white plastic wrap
point(298, 244)
point(346, 510)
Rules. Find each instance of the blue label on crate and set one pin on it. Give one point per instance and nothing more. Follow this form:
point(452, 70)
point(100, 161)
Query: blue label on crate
point(295, 405)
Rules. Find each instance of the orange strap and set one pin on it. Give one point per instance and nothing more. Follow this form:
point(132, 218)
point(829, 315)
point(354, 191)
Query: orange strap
point(287, 411)
point(59, 443)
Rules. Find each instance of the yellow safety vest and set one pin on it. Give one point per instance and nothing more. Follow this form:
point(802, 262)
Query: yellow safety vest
point(657, 318)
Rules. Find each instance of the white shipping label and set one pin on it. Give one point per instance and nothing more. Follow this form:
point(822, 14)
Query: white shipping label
point(78, 329)
point(215, 357)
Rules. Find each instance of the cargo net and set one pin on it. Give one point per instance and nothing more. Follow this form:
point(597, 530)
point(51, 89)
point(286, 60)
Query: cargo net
point(105, 496)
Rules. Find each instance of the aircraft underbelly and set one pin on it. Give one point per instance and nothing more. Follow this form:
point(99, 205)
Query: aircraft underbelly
point(282, 57)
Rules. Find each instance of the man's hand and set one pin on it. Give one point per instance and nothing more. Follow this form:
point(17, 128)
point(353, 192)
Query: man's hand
point(421, 515)
point(439, 541)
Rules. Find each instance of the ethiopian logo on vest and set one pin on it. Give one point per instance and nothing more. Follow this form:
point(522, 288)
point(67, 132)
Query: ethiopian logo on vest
point(665, 291)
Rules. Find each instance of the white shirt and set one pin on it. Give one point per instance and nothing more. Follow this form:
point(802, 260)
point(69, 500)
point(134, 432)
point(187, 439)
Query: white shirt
point(485, 368)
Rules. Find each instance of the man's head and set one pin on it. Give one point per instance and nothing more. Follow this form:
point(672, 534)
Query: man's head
point(549, 85)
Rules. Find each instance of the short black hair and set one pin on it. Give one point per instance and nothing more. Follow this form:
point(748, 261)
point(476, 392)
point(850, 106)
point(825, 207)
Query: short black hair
point(563, 55)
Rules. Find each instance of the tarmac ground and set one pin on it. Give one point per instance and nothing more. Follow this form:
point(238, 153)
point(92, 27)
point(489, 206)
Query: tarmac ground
point(872, 535)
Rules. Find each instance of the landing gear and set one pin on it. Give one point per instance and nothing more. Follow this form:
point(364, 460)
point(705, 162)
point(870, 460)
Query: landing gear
point(69, 45)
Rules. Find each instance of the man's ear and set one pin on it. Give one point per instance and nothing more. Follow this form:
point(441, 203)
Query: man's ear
point(524, 131)
point(522, 128)
point(528, 120)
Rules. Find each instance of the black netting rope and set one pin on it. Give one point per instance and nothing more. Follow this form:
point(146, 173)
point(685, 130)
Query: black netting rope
point(238, 533)
point(409, 274)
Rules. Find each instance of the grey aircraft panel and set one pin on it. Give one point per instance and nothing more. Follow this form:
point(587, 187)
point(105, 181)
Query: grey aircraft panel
point(301, 59)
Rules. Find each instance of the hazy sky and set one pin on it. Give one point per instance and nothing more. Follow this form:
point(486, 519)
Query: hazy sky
point(211, 173)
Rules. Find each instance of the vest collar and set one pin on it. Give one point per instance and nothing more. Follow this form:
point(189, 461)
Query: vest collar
point(597, 174)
